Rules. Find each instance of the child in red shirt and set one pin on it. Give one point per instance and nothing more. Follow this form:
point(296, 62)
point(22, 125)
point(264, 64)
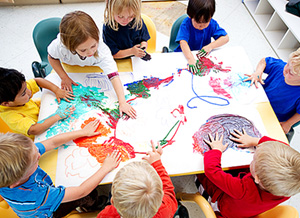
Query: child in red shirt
point(274, 177)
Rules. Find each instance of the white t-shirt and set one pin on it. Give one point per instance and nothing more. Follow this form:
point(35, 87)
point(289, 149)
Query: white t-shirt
point(105, 60)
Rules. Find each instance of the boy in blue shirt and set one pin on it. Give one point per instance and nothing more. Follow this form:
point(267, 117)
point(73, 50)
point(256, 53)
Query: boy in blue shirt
point(282, 87)
point(29, 190)
point(197, 29)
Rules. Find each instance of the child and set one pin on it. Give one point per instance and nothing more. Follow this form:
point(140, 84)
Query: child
point(29, 190)
point(79, 44)
point(196, 31)
point(19, 111)
point(124, 31)
point(282, 87)
point(274, 176)
point(142, 190)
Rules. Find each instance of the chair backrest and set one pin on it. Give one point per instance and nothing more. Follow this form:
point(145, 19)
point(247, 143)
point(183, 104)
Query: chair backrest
point(43, 34)
point(4, 127)
point(174, 31)
point(152, 32)
point(280, 211)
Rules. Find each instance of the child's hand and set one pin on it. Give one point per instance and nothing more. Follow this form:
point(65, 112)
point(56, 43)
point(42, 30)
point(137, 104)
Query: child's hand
point(112, 161)
point(155, 154)
point(192, 65)
point(90, 128)
point(207, 49)
point(255, 78)
point(217, 143)
point(67, 83)
point(65, 113)
point(138, 51)
point(61, 93)
point(127, 109)
point(243, 139)
point(285, 126)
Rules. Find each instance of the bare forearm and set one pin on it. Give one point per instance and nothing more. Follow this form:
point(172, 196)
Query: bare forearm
point(219, 42)
point(57, 67)
point(39, 128)
point(261, 66)
point(74, 193)
point(46, 84)
point(123, 53)
point(116, 82)
point(187, 52)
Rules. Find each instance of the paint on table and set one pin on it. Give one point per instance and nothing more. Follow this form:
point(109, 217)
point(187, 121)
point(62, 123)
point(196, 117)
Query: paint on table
point(223, 124)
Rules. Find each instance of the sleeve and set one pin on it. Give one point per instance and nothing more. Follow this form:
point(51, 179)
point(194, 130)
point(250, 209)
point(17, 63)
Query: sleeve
point(54, 48)
point(266, 139)
point(272, 64)
point(233, 186)
point(32, 86)
point(184, 31)
point(18, 122)
point(54, 197)
point(169, 202)
point(41, 148)
point(144, 33)
point(106, 60)
point(218, 31)
point(110, 39)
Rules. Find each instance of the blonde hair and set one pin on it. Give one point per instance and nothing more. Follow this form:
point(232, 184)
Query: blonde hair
point(137, 190)
point(15, 150)
point(75, 28)
point(277, 166)
point(114, 7)
point(295, 61)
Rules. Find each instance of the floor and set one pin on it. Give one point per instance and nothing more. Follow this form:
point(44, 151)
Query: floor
point(18, 51)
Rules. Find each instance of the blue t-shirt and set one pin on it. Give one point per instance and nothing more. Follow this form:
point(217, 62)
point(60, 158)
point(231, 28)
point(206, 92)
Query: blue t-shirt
point(125, 37)
point(195, 38)
point(37, 197)
point(284, 98)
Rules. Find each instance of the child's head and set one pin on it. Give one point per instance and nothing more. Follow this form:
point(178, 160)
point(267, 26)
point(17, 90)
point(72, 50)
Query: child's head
point(201, 12)
point(137, 190)
point(122, 12)
point(276, 168)
point(13, 88)
point(291, 70)
point(80, 34)
point(18, 159)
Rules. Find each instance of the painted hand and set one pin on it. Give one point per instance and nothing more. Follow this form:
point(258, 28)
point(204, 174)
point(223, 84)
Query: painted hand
point(201, 53)
point(193, 68)
point(127, 109)
point(243, 139)
point(255, 78)
point(112, 161)
point(66, 84)
point(155, 154)
point(217, 143)
point(64, 113)
point(90, 128)
point(64, 94)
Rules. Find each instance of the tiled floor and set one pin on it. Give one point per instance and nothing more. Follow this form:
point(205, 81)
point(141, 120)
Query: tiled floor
point(18, 51)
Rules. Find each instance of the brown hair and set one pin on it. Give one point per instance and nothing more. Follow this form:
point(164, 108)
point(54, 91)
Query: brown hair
point(75, 28)
point(15, 150)
point(116, 7)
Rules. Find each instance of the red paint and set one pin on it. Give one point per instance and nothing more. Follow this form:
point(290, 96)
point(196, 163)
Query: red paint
point(215, 83)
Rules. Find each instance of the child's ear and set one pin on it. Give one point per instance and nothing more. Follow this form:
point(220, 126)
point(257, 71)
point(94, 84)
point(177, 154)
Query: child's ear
point(5, 103)
point(256, 179)
point(111, 201)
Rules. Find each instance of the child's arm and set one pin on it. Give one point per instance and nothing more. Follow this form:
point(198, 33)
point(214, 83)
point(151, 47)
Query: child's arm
point(155, 154)
point(257, 75)
point(216, 44)
point(74, 193)
point(135, 50)
point(60, 93)
point(287, 125)
point(41, 127)
point(56, 141)
point(243, 139)
point(66, 81)
point(187, 52)
point(123, 105)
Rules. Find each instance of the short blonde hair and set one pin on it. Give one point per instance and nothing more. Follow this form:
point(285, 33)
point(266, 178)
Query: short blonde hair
point(137, 190)
point(295, 61)
point(277, 166)
point(75, 28)
point(116, 7)
point(15, 150)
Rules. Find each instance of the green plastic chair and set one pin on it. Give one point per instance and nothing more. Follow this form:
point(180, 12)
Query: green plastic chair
point(43, 34)
point(173, 34)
